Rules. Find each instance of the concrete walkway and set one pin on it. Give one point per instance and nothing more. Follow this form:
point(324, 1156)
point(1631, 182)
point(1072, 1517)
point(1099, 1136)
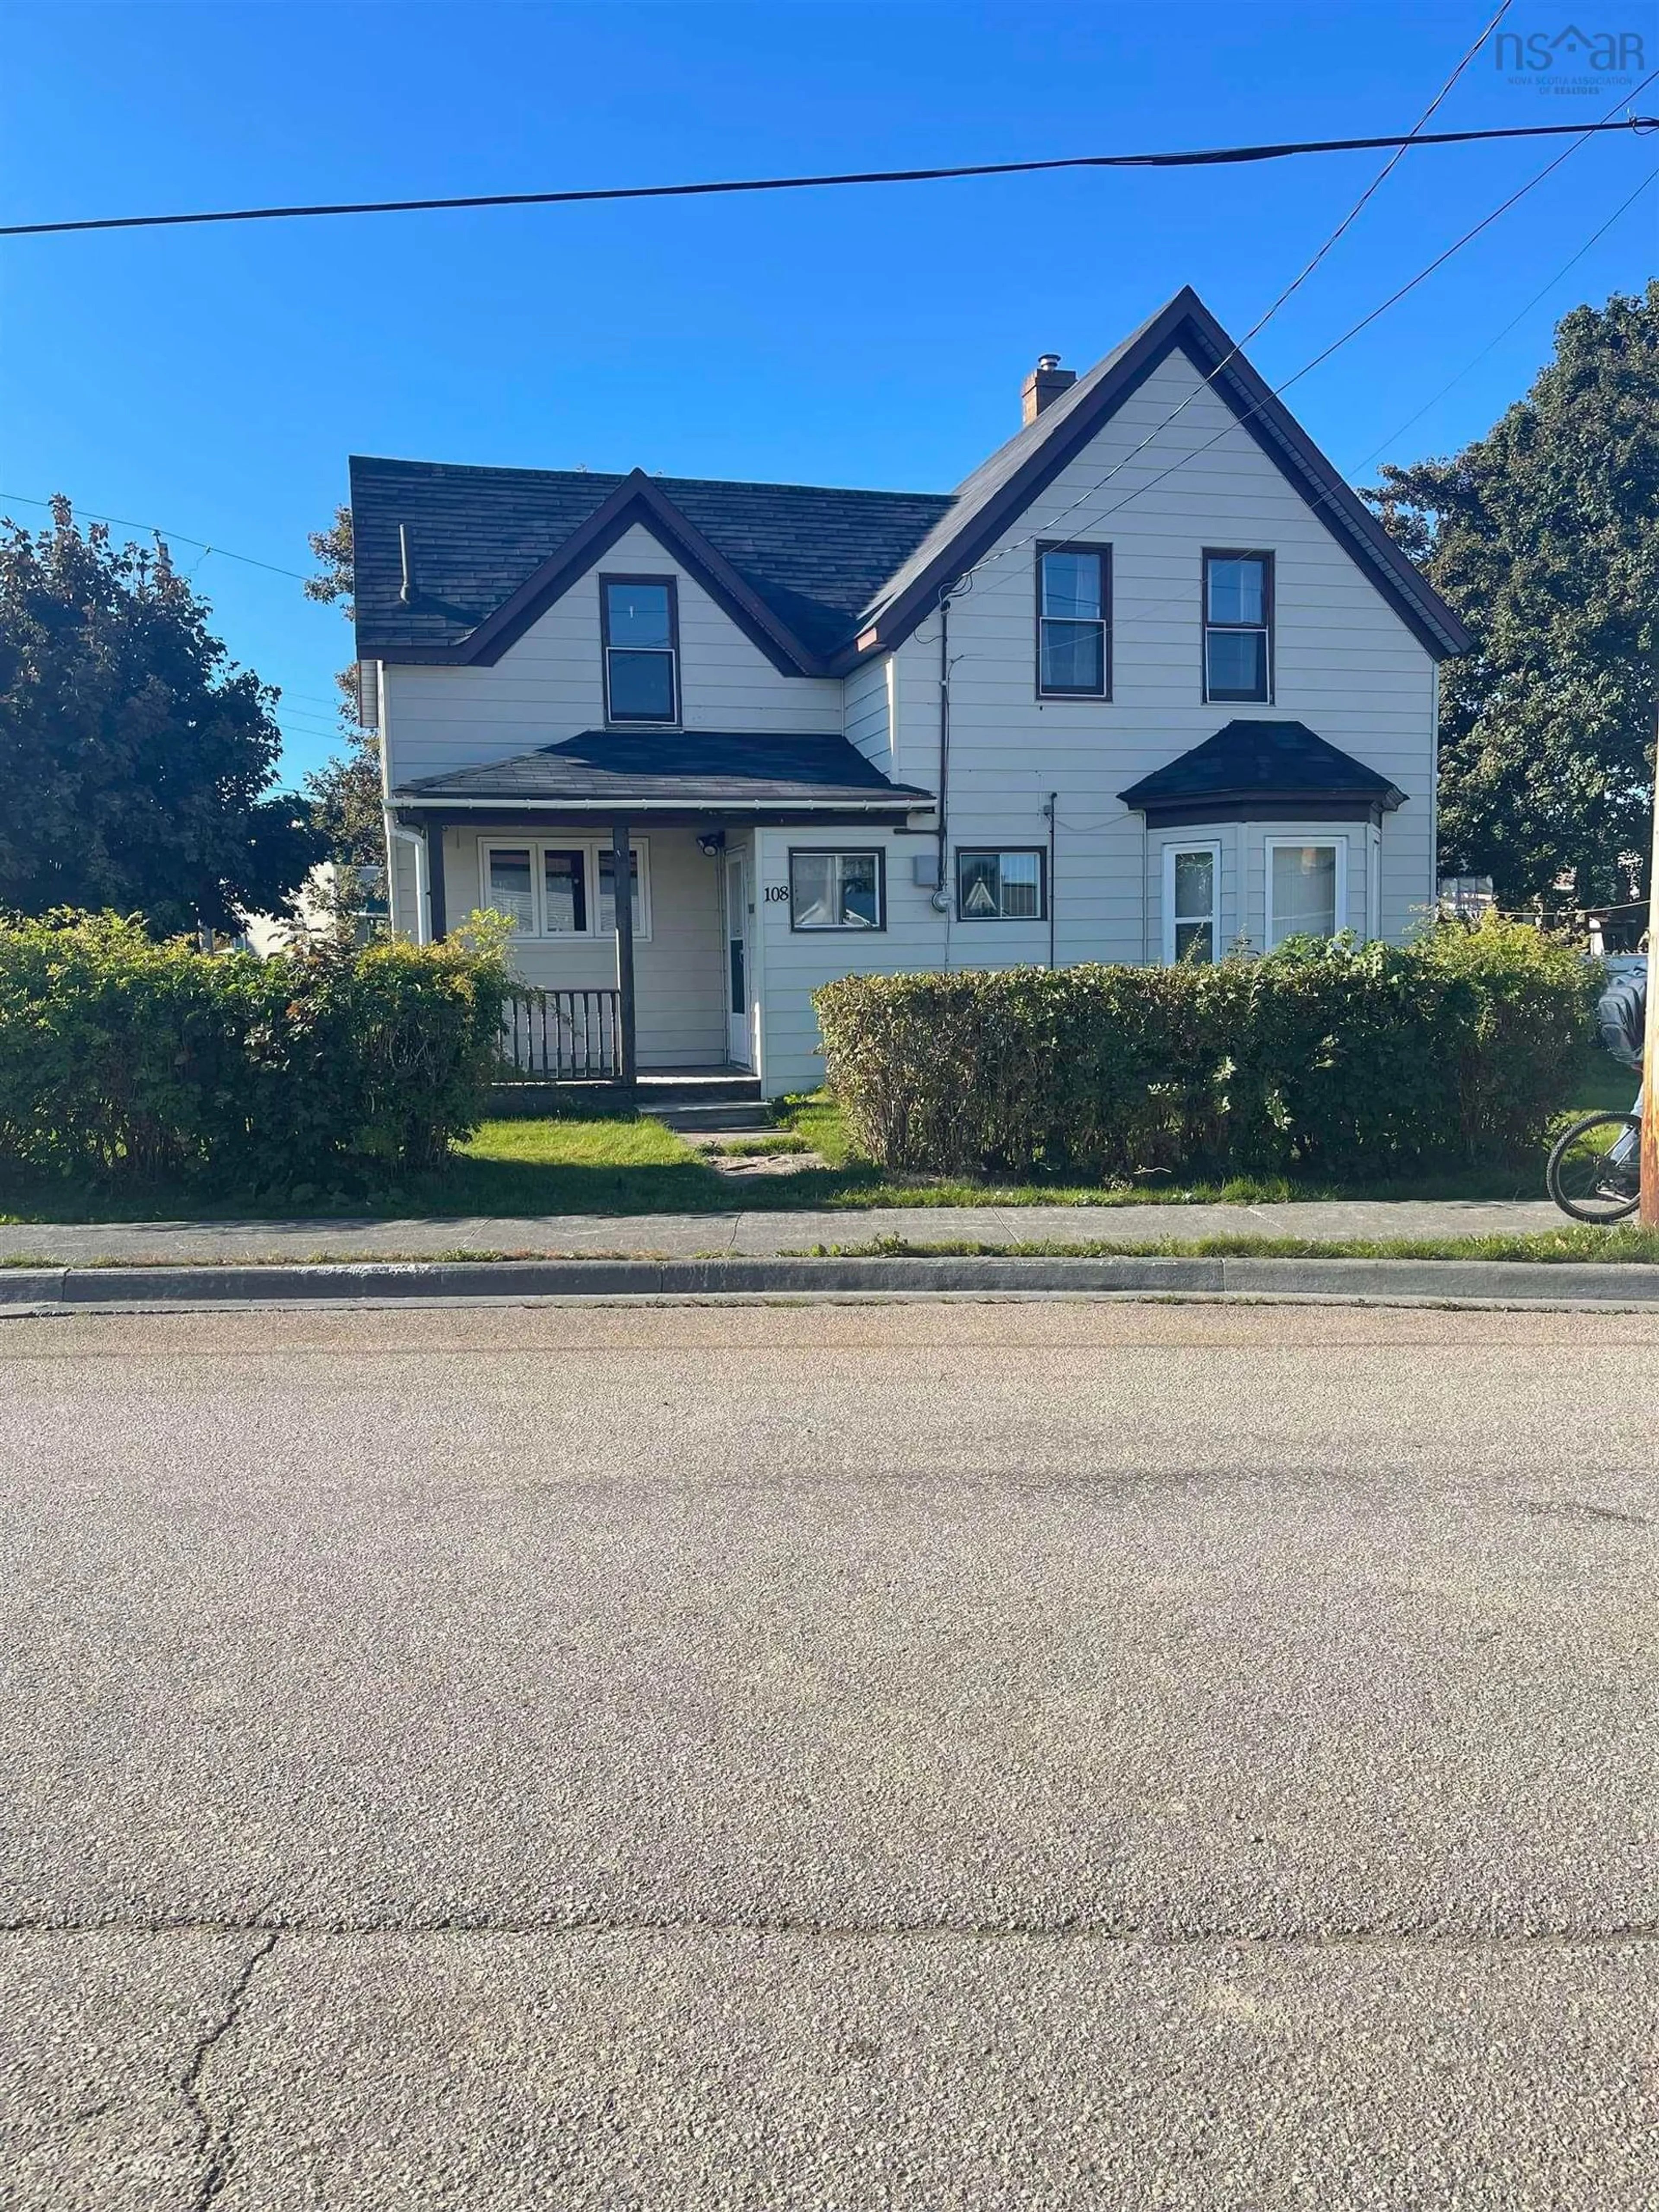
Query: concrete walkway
point(690, 1235)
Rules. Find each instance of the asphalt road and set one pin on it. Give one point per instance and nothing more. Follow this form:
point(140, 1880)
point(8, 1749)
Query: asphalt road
point(1026, 1755)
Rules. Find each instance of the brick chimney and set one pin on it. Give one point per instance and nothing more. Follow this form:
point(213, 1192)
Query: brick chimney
point(1044, 385)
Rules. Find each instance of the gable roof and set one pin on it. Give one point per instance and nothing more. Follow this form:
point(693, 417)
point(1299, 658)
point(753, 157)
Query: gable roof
point(1285, 762)
point(651, 770)
point(818, 578)
point(793, 563)
point(1001, 488)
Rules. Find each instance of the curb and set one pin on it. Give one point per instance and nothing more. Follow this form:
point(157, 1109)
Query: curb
point(1508, 1282)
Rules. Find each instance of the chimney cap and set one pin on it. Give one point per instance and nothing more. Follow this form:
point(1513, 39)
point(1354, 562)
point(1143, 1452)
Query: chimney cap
point(1047, 361)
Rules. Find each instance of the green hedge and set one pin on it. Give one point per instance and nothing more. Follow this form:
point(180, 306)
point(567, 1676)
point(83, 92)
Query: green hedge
point(133, 1059)
point(1340, 1060)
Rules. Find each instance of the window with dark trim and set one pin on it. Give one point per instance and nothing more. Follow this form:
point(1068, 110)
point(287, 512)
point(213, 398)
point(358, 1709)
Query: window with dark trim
point(837, 891)
point(1001, 886)
point(640, 625)
point(1074, 622)
point(1238, 625)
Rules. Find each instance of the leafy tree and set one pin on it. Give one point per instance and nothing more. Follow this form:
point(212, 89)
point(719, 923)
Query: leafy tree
point(1544, 536)
point(344, 794)
point(136, 760)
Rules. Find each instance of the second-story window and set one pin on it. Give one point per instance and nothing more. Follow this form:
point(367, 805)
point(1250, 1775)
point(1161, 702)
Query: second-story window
point(640, 623)
point(1238, 626)
point(1074, 621)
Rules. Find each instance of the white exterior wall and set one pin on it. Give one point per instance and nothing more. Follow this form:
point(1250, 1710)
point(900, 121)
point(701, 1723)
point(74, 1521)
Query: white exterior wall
point(793, 962)
point(1345, 664)
point(679, 1008)
point(869, 725)
point(550, 684)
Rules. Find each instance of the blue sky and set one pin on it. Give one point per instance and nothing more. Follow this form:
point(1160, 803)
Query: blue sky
point(214, 381)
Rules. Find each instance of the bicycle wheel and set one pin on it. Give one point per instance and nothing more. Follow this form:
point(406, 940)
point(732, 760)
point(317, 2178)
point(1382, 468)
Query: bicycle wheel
point(1580, 1177)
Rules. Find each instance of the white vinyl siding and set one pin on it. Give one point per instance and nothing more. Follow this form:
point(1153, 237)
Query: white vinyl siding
point(550, 684)
point(868, 726)
point(678, 971)
point(1344, 663)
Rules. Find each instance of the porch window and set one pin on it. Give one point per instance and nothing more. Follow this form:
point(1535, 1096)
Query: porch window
point(510, 885)
point(1075, 615)
point(1307, 888)
point(639, 620)
point(564, 891)
point(1192, 891)
point(837, 890)
point(1238, 626)
point(1001, 886)
point(546, 889)
point(608, 892)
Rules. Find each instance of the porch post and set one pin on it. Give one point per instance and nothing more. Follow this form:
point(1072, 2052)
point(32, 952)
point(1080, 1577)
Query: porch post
point(435, 877)
point(621, 876)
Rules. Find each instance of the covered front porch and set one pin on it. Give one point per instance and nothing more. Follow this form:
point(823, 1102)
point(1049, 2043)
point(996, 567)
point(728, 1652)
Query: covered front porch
point(626, 863)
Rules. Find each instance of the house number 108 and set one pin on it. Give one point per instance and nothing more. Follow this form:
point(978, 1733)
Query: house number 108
point(777, 894)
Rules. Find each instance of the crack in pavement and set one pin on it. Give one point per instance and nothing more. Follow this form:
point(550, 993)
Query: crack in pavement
point(1078, 1930)
point(214, 2146)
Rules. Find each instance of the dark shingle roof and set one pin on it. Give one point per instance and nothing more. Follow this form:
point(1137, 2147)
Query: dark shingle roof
point(812, 554)
point(689, 768)
point(995, 497)
point(1261, 760)
point(816, 565)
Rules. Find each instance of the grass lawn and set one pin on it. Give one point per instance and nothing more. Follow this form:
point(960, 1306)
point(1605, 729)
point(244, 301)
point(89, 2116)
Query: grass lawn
point(618, 1165)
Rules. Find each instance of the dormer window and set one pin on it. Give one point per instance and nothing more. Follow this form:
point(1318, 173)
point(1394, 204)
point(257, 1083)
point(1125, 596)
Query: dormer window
point(638, 622)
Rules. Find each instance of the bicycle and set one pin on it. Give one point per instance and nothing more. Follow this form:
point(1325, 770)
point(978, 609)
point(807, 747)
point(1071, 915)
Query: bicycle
point(1593, 1172)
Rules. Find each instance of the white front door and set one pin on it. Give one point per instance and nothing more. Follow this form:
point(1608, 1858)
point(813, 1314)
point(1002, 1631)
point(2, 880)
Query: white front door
point(737, 959)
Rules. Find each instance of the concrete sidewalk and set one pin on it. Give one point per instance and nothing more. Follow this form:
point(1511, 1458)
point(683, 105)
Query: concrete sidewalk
point(747, 1235)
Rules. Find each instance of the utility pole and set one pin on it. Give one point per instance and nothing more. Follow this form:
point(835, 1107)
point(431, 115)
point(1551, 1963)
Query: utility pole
point(1650, 1213)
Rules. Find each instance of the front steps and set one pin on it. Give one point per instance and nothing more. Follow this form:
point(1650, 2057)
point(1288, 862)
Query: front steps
point(703, 1105)
point(693, 1103)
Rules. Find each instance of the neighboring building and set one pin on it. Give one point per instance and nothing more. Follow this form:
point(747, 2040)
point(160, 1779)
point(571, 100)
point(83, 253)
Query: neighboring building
point(1466, 898)
point(1186, 696)
point(318, 911)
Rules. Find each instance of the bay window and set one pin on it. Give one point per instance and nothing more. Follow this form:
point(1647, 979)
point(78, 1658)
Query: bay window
point(1192, 901)
point(1307, 888)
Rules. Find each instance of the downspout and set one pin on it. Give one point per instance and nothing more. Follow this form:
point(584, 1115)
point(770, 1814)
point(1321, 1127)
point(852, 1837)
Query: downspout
point(417, 838)
point(942, 894)
point(1050, 810)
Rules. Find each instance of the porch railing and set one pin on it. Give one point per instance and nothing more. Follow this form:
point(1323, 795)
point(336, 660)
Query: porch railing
point(563, 1036)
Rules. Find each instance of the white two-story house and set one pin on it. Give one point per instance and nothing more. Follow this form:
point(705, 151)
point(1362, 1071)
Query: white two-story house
point(1152, 682)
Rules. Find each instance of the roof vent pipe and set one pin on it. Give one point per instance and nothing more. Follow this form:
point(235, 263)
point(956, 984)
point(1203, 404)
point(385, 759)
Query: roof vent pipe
point(406, 589)
point(1044, 385)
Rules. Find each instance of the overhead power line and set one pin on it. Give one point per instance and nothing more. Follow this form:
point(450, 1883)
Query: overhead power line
point(1262, 321)
point(1475, 360)
point(171, 537)
point(1202, 157)
point(1583, 132)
